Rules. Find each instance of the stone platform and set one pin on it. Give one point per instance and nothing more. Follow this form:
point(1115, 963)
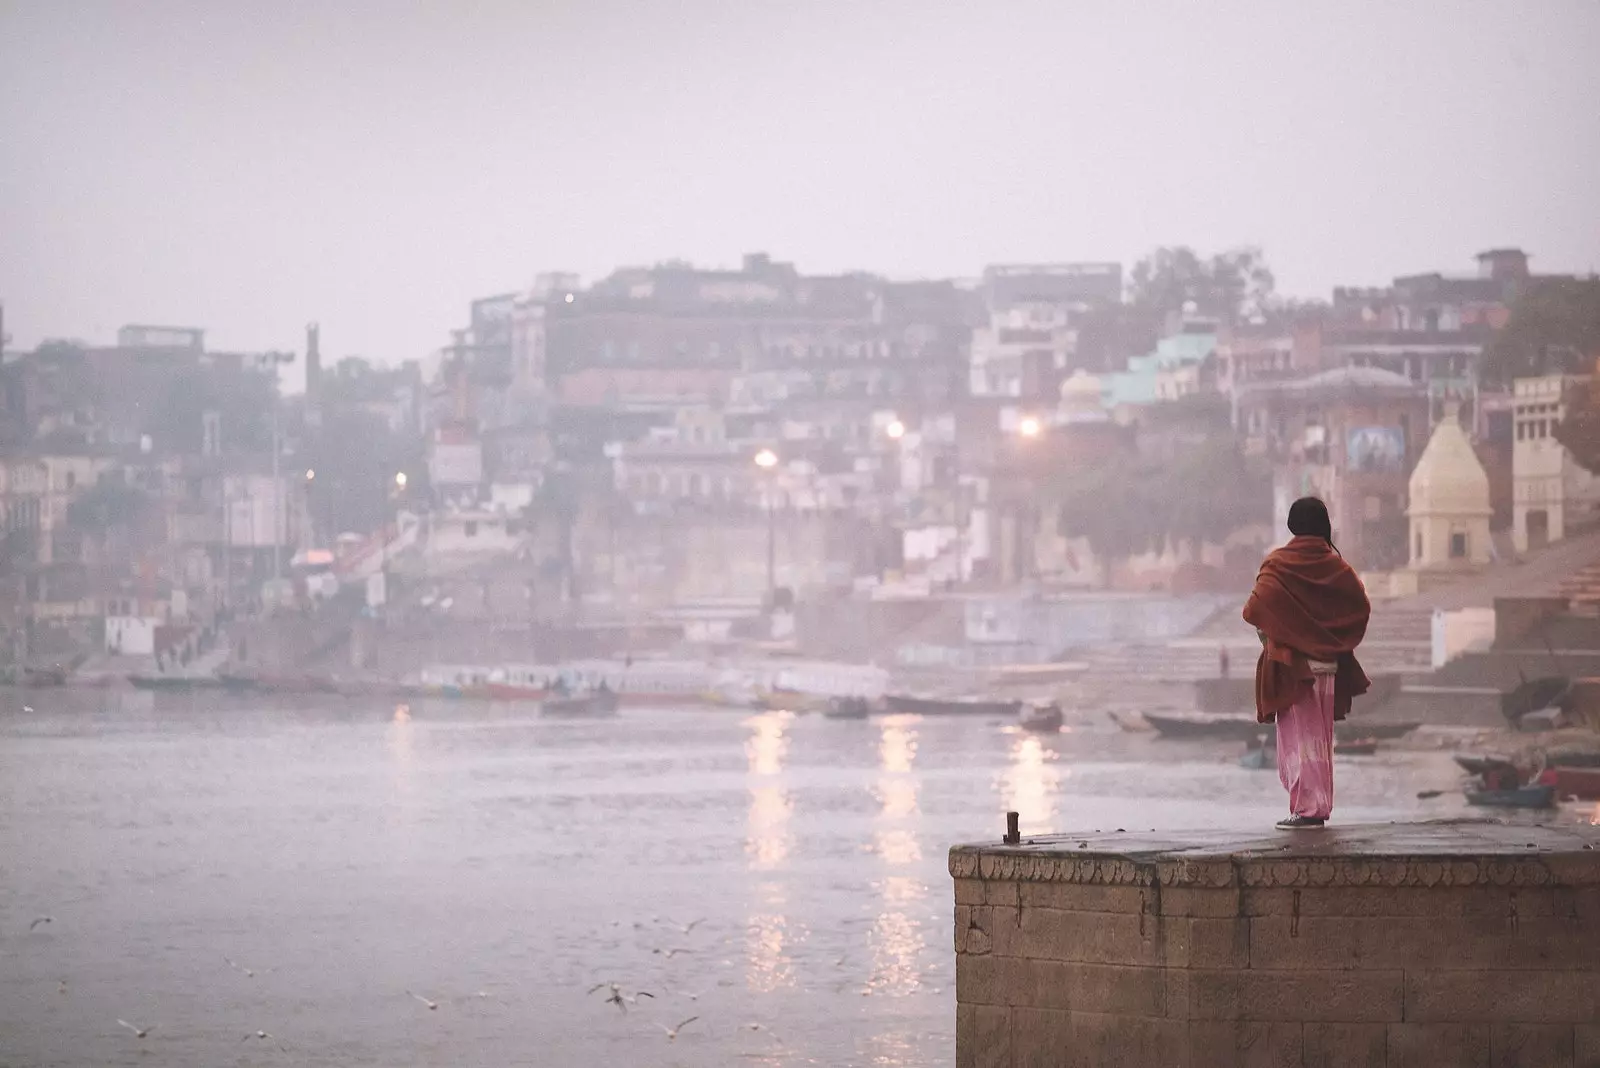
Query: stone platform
point(1434, 944)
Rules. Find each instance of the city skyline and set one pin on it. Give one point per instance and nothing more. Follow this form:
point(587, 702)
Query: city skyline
point(246, 172)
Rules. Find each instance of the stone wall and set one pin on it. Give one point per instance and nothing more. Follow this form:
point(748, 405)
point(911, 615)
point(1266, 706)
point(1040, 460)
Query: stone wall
point(1432, 945)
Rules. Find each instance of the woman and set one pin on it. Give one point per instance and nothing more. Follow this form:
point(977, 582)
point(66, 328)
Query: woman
point(1311, 611)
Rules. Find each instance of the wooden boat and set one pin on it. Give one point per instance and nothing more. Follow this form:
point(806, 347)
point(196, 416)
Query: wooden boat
point(1573, 758)
point(1359, 730)
point(1580, 783)
point(40, 678)
point(1356, 747)
point(1046, 719)
point(1183, 725)
point(1485, 765)
point(173, 683)
point(909, 704)
point(239, 683)
point(593, 703)
point(847, 708)
point(1520, 797)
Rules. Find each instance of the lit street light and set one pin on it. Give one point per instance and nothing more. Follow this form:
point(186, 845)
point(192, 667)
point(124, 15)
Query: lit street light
point(400, 480)
point(766, 459)
point(1029, 427)
point(896, 430)
point(311, 473)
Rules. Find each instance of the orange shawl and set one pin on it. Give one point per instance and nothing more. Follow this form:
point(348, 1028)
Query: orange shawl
point(1309, 604)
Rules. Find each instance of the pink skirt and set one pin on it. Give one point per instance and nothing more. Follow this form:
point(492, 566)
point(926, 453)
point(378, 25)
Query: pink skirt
point(1305, 750)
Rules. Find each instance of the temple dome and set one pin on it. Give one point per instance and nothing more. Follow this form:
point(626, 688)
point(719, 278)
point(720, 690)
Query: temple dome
point(1449, 480)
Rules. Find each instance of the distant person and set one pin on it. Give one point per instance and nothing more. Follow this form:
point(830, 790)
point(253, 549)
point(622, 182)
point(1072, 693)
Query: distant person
point(1310, 611)
point(1222, 661)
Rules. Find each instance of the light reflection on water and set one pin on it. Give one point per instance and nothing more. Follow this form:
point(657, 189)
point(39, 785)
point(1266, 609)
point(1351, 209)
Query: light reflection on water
point(897, 937)
point(1031, 784)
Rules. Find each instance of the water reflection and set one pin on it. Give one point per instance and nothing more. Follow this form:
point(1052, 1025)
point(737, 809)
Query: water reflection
point(767, 824)
point(768, 938)
point(897, 938)
point(1030, 785)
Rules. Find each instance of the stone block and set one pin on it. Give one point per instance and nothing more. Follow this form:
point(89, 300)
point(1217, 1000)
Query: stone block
point(1531, 1045)
point(1245, 1044)
point(1586, 1046)
point(1094, 937)
point(1081, 897)
point(1436, 901)
point(1306, 996)
point(1219, 943)
point(969, 892)
point(1437, 1045)
point(983, 1036)
point(1440, 943)
point(1338, 1045)
point(1508, 997)
point(1201, 901)
point(1050, 984)
point(1048, 1038)
point(978, 980)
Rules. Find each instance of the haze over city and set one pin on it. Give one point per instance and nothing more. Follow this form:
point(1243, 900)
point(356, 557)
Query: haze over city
point(373, 166)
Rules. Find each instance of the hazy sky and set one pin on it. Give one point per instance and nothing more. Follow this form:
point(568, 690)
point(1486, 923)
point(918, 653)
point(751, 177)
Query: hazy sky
point(248, 167)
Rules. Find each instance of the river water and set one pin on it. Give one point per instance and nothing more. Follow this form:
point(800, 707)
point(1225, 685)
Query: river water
point(780, 877)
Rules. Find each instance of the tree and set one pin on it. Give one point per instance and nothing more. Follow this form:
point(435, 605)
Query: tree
point(1554, 328)
point(1134, 505)
point(1229, 285)
point(1579, 432)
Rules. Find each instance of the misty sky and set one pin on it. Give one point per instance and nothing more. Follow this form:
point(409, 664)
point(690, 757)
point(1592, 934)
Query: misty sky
point(248, 167)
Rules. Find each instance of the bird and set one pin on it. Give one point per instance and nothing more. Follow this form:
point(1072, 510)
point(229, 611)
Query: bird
point(61, 987)
point(238, 968)
point(686, 928)
point(618, 998)
point(27, 708)
point(431, 1004)
point(752, 1026)
point(670, 953)
point(266, 1037)
point(138, 1032)
point(672, 1032)
point(40, 920)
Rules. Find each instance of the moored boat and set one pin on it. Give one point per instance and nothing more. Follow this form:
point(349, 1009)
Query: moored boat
point(1580, 783)
point(1199, 725)
point(1520, 797)
point(1044, 718)
point(1356, 747)
point(909, 704)
point(594, 703)
point(847, 708)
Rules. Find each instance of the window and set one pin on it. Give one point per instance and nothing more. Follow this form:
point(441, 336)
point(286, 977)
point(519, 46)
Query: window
point(1458, 545)
point(1418, 554)
point(1522, 431)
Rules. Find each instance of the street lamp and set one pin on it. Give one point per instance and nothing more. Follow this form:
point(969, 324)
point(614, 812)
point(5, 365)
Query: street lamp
point(1029, 426)
point(400, 480)
point(767, 460)
point(311, 474)
point(896, 430)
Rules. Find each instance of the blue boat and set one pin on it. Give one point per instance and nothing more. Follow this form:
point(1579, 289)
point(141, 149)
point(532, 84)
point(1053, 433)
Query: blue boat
point(1521, 797)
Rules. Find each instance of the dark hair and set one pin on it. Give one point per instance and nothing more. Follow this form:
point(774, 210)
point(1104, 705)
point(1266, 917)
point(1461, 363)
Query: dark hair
point(1308, 517)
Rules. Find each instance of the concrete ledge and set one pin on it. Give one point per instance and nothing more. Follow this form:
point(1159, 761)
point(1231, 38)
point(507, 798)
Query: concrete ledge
point(1460, 942)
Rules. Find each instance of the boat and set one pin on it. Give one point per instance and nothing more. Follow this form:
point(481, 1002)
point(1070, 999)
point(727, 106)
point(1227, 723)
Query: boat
point(238, 683)
point(1580, 783)
point(593, 703)
point(1485, 765)
point(1359, 730)
point(1356, 747)
point(1046, 719)
point(1190, 725)
point(1573, 758)
point(173, 683)
point(910, 704)
point(1521, 797)
point(847, 708)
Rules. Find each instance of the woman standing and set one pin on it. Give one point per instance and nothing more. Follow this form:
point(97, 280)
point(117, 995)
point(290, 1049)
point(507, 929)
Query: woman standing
point(1310, 610)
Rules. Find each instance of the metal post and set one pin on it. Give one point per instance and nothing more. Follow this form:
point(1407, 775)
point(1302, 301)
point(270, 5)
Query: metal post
point(772, 551)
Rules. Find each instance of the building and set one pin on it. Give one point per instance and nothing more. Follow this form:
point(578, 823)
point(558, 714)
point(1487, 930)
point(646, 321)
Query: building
point(1034, 313)
point(1550, 492)
point(1449, 508)
point(1351, 436)
point(1176, 369)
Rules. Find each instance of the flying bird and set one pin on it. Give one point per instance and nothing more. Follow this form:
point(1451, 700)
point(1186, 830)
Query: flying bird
point(686, 928)
point(40, 920)
point(247, 971)
point(138, 1032)
point(618, 998)
point(670, 953)
point(431, 1004)
point(672, 1032)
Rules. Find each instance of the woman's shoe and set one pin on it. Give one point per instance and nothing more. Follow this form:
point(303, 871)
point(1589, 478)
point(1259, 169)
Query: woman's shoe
point(1299, 823)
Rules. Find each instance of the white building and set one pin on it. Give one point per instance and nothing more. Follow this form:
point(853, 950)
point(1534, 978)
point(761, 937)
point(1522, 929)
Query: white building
point(1549, 491)
point(1449, 508)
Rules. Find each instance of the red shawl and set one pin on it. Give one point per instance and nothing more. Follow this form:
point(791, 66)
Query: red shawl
point(1309, 604)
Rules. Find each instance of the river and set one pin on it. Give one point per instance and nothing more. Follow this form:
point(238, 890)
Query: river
point(319, 873)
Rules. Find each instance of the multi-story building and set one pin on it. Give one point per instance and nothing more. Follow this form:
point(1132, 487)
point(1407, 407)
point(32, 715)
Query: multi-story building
point(1550, 492)
point(1029, 341)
